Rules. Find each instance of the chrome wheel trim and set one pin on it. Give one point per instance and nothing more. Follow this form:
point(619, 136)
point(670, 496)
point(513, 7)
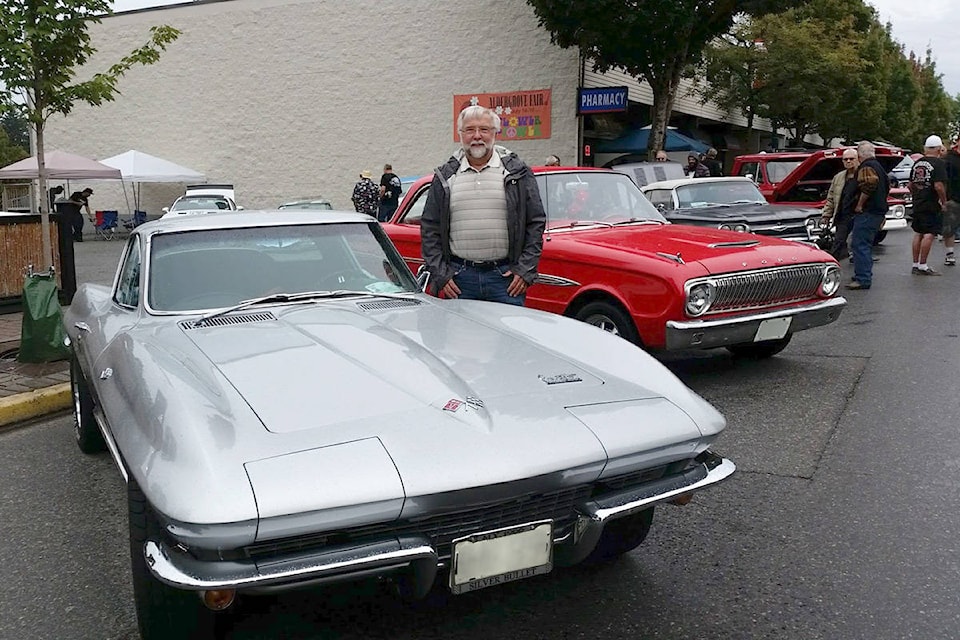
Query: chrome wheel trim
point(604, 322)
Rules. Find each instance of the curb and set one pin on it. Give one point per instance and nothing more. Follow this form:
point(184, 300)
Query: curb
point(33, 404)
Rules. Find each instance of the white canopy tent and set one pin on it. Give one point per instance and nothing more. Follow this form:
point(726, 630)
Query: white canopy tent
point(60, 165)
point(138, 167)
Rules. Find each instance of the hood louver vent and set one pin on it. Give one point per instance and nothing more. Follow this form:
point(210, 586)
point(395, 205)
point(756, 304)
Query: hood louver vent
point(222, 321)
point(387, 304)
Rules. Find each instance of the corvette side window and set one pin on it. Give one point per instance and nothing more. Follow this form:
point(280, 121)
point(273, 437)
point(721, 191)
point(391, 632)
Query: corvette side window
point(128, 286)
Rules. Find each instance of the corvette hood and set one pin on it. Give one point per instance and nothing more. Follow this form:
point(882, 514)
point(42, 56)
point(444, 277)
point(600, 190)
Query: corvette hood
point(335, 363)
point(716, 250)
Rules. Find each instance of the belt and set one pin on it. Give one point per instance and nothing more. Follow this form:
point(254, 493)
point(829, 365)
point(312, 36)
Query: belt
point(480, 265)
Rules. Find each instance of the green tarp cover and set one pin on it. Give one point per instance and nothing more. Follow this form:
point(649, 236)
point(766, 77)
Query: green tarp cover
point(42, 333)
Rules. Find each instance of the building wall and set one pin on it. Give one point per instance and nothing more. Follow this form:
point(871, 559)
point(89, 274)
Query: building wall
point(293, 98)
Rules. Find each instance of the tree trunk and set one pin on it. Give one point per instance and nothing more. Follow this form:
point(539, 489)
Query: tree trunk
point(750, 131)
point(664, 93)
point(44, 202)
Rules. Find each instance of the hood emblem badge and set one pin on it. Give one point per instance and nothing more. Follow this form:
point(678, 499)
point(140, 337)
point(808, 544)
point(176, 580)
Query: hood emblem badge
point(560, 378)
point(476, 403)
point(453, 404)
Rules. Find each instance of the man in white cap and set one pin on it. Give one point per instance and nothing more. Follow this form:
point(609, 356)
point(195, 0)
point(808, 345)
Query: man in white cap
point(928, 179)
point(366, 195)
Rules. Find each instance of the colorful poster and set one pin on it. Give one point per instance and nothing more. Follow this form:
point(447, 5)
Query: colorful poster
point(524, 115)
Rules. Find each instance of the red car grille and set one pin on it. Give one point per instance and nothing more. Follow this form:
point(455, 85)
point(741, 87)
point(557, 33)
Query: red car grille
point(766, 288)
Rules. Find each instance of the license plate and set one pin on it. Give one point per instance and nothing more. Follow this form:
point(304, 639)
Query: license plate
point(772, 329)
point(504, 555)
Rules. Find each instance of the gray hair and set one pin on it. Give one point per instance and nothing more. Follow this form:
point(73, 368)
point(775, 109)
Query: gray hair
point(476, 111)
point(866, 149)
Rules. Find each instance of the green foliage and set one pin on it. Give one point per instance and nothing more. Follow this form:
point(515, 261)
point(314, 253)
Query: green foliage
point(827, 67)
point(17, 129)
point(654, 40)
point(9, 152)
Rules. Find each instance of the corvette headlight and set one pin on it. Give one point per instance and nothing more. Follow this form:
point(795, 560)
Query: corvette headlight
point(898, 211)
point(830, 281)
point(699, 298)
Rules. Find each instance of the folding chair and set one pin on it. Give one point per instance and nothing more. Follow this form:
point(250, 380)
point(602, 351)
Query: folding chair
point(106, 224)
point(139, 217)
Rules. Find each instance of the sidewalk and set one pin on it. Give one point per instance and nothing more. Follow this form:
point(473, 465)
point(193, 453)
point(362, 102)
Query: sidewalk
point(28, 390)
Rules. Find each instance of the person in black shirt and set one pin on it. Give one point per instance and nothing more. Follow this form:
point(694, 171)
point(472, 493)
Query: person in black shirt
point(78, 200)
point(951, 215)
point(389, 193)
point(711, 162)
point(54, 192)
point(928, 179)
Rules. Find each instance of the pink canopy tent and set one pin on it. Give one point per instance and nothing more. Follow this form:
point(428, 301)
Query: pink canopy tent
point(60, 165)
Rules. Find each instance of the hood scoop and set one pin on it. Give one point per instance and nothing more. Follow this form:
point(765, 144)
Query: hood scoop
point(380, 305)
point(739, 243)
point(223, 321)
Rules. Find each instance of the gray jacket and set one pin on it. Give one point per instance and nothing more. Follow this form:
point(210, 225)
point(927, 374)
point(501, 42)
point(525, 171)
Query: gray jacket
point(525, 220)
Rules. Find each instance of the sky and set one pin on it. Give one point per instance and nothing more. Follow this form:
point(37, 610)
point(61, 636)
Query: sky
point(916, 25)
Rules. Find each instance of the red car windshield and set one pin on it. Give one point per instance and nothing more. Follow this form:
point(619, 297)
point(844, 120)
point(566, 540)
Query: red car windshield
point(593, 197)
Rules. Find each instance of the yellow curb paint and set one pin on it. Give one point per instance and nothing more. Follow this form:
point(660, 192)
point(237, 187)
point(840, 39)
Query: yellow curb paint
point(32, 404)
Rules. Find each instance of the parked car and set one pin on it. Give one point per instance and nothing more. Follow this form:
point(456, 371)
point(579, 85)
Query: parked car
point(644, 173)
point(288, 409)
point(734, 204)
point(902, 171)
point(612, 260)
point(803, 178)
point(203, 198)
point(314, 204)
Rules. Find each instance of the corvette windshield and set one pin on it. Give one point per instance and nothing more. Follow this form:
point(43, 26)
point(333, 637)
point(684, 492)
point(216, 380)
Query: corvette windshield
point(593, 198)
point(706, 193)
point(211, 269)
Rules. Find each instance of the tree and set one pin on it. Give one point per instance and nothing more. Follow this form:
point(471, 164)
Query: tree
point(655, 40)
point(10, 152)
point(42, 44)
point(17, 129)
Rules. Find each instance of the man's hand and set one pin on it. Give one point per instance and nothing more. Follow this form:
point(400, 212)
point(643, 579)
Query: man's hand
point(450, 290)
point(517, 286)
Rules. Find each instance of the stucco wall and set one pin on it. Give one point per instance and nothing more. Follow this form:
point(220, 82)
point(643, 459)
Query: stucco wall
point(291, 98)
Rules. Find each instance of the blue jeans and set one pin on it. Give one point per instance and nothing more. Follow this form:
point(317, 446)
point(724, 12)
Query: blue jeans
point(486, 284)
point(865, 228)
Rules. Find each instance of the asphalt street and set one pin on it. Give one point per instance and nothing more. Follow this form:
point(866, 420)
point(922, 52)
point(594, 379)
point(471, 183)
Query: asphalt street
point(841, 523)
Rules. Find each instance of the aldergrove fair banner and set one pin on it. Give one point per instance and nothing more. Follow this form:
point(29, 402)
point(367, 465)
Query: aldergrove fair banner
point(524, 115)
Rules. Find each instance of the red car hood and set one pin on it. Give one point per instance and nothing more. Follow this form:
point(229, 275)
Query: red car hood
point(718, 251)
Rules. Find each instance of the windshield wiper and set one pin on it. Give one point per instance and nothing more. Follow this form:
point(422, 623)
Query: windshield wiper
point(582, 223)
point(749, 202)
point(285, 297)
point(637, 221)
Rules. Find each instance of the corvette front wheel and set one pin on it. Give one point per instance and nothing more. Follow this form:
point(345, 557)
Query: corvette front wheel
point(85, 428)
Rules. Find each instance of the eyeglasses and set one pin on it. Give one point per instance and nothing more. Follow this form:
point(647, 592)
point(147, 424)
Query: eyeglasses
point(849, 159)
point(470, 131)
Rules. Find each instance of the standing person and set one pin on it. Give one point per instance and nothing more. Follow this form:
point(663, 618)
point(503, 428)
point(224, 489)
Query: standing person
point(951, 215)
point(389, 193)
point(869, 212)
point(695, 168)
point(928, 178)
point(552, 161)
point(711, 162)
point(838, 209)
point(481, 231)
point(366, 195)
point(78, 200)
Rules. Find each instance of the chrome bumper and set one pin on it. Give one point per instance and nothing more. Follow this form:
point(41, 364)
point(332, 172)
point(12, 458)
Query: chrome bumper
point(413, 555)
point(706, 334)
point(894, 223)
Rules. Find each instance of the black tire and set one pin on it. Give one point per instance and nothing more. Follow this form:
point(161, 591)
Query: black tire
point(760, 350)
point(877, 239)
point(621, 536)
point(611, 318)
point(85, 428)
point(163, 613)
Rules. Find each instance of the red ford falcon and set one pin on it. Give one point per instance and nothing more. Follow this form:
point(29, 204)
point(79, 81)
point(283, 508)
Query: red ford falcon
point(611, 260)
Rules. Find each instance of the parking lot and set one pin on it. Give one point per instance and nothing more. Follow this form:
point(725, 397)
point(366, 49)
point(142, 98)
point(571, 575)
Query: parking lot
point(841, 522)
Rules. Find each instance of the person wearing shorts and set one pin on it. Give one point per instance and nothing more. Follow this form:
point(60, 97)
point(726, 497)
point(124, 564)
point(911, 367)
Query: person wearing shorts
point(928, 178)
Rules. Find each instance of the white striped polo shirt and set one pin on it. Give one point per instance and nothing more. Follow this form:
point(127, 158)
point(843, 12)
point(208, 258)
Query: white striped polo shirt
point(478, 211)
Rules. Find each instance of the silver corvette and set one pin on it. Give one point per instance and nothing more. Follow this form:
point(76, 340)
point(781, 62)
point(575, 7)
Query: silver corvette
point(288, 409)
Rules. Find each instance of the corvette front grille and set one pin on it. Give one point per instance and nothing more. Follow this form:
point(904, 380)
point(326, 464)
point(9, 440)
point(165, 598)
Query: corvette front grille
point(442, 529)
point(766, 287)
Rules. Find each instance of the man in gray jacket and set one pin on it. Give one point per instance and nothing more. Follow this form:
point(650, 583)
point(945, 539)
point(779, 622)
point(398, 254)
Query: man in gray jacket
point(481, 231)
